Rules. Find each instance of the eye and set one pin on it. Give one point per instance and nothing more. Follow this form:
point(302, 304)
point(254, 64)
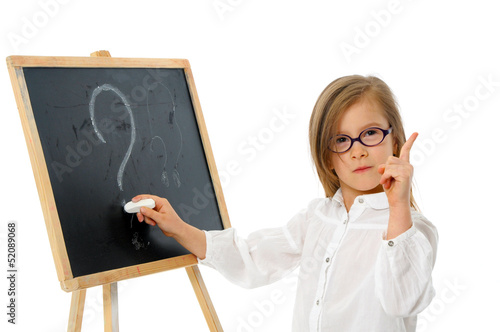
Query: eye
point(371, 132)
point(341, 140)
point(372, 136)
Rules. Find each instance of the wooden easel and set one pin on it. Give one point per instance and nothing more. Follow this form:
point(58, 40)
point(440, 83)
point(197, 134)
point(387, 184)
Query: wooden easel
point(110, 293)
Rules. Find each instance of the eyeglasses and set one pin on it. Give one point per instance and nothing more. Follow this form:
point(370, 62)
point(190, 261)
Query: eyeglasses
point(369, 137)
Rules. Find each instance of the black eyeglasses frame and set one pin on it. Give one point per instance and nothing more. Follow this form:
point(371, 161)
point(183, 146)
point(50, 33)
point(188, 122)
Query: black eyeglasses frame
point(358, 139)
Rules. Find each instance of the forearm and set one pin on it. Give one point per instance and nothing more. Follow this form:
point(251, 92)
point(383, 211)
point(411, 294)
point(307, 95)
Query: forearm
point(403, 272)
point(399, 221)
point(192, 238)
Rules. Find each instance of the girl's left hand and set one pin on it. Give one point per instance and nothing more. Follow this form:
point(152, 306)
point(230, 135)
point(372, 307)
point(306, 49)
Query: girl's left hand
point(397, 174)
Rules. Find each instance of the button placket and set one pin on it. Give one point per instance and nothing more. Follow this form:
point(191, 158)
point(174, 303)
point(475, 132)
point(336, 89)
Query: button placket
point(323, 280)
point(345, 218)
point(328, 258)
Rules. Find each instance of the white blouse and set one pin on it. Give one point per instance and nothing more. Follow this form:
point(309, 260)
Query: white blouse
point(350, 278)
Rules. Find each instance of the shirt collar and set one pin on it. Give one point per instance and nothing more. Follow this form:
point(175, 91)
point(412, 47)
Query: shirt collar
point(377, 201)
point(338, 197)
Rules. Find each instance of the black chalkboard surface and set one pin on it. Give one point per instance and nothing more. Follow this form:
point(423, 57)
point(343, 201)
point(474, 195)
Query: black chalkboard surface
point(108, 134)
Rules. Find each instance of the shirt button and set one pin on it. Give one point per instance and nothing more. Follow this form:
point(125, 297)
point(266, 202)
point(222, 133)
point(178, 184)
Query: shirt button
point(361, 200)
point(390, 243)
point(317, 302)
point(327, 259)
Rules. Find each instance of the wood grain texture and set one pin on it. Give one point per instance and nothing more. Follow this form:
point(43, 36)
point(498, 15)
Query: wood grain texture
point(204, 299)
point(76, 311)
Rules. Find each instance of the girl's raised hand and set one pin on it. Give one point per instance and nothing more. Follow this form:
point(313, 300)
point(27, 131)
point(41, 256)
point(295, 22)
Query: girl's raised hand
point(397, 174)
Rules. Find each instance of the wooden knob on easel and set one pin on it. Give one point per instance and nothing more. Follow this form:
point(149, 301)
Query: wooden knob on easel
point(101, 53)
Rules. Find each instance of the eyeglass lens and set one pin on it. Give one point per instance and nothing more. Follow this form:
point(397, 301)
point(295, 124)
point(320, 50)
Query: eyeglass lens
point(369, 137)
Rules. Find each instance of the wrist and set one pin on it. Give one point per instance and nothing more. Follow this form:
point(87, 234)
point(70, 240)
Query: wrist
point(400, 208)
point(399, 220)
point(191, 238)
point(400, 205)
point(180, 230)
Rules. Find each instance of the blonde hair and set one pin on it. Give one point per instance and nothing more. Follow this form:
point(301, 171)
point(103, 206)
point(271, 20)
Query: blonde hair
point(335, 99)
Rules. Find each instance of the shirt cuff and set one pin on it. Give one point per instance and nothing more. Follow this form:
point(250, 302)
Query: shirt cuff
point(400, 238)
point(208, 253)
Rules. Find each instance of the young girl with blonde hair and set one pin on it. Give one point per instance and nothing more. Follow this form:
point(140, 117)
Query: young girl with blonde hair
point(365, 252)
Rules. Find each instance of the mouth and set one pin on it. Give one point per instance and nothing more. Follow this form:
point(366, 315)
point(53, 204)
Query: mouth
point(361, 169)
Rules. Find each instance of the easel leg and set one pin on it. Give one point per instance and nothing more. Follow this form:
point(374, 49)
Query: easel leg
point(204, 298)
point(110, 302)
point(76, 311)
point(109, 291)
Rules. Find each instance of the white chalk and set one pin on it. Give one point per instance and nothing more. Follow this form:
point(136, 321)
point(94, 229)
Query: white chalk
point(132, 207)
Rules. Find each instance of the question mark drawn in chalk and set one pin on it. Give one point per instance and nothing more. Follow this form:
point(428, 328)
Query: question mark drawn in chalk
point(95, 93)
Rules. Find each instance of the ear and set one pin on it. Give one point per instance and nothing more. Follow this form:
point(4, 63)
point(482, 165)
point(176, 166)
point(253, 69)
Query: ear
point(395, 149)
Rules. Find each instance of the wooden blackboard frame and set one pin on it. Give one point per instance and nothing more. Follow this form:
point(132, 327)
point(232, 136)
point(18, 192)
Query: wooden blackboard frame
point(57, 242)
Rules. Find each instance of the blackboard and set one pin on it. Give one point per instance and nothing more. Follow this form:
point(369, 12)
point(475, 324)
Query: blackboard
point(107, 134)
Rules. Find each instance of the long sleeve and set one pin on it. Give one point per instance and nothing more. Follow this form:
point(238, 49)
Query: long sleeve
point(350, 279)
point(403, 269)
point(264, 257)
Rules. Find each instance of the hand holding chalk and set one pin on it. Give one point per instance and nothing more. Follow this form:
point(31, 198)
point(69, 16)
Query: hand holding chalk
point(134, 207)
point(160, 213)
point(165, 217)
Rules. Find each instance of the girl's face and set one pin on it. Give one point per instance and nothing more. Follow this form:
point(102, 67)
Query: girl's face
point(357, 167)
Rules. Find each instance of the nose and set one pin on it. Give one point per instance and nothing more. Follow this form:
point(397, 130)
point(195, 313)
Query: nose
point(358, 150)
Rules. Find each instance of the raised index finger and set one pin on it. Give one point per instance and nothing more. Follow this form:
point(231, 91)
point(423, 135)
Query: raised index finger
point(405, 150)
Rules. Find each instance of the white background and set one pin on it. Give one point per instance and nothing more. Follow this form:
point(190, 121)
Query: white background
point(251, 60)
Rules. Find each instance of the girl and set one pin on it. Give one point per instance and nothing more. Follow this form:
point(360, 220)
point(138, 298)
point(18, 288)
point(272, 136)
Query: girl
point(365, 252)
